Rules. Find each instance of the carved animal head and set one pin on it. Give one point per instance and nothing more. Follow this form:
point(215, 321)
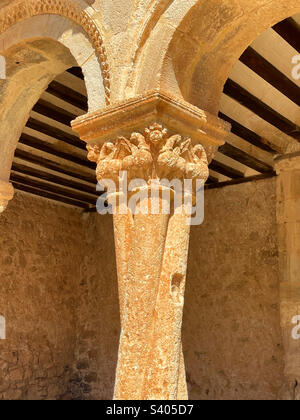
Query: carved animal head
point(155, 134)
point(93, 152)
point(199, 154)
point(107, 151)
point(138, 140)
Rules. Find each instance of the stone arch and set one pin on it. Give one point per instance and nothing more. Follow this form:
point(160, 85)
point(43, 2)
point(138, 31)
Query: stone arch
point(140, 35)
point(20, 10)
point(196, 55)
point(39, 40)
point(152, 41)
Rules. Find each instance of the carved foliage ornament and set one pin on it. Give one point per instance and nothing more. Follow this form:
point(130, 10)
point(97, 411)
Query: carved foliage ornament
point(18, 11)
point(152, 155)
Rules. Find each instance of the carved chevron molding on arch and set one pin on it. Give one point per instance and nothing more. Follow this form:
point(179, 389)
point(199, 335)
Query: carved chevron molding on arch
point(18, 11)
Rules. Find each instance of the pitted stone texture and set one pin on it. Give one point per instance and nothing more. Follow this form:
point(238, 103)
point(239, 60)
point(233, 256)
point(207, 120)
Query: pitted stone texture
point(38, 298)
point(231, 332)
point(58, 295)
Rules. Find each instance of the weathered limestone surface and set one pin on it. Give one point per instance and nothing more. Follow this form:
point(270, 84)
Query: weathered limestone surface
point(37, 298)
point(151, 254)
point(6, 194)
point(40, 40)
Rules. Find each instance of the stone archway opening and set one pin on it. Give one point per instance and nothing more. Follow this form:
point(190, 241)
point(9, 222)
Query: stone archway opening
point(30, 67)
point(36, 50)
point(260, 100)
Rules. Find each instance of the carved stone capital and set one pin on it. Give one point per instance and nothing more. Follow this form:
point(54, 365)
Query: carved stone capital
point(154, 136)
point(151, 155)
point(6, 194)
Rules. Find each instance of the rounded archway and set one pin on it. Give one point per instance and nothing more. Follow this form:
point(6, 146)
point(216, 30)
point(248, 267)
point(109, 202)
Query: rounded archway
point(40, 40)
point(196, 55)
point(215, 45)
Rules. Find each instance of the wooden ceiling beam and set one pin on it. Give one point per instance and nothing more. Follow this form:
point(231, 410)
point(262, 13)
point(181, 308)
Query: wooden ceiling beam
point(55, 189)
point(246, 134)
point(54, 112)
point(245, 159)
point(240, 181)
point(56, 133)
point(76, 71)
point(46, 176)
point(49, 196)
point(246, 99)
point(68, 95)
point(53, 166)
point(289, 30)
point(225, 170)
point(270, 74)
point(46, 147)
point(212, 180)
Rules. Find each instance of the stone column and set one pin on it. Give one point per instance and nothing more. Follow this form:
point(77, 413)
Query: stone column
point(152, 138)
point(288, 215)
point(6, 194)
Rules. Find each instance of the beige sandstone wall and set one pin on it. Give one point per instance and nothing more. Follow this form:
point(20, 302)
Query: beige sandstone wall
point(48, 284)
point(58, 292)
point(231, 334)
point(98, 318)
point(40, 269)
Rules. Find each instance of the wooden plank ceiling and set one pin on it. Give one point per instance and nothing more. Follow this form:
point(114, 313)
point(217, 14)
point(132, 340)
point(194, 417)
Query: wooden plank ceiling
point(261, 101)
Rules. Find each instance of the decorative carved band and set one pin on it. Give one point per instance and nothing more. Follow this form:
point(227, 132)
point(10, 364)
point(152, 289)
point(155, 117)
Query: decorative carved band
point(18, 11)
point(152, 155)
